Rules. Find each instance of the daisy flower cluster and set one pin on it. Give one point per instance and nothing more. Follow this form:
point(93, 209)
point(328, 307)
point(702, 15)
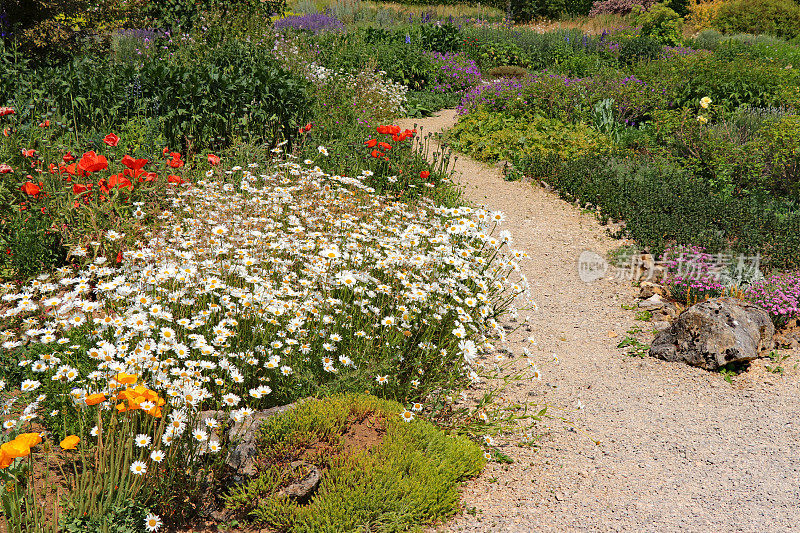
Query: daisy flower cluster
point(262, 286)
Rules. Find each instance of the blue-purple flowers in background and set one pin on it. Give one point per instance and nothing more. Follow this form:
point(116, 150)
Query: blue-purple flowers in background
point(313, 22)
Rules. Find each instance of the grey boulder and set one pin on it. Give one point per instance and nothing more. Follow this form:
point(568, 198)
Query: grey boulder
point(714, 333)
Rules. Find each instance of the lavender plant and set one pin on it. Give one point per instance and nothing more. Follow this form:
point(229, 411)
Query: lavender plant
point(312, 22)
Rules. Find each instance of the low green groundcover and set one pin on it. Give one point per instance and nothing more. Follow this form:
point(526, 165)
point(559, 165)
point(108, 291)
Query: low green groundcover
point(379, 473)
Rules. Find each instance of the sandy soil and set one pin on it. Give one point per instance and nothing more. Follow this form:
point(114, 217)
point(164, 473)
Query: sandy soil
point(656, 446)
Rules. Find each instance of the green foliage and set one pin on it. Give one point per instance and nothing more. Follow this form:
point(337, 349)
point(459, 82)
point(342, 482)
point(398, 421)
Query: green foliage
point(774, 17)
point(232, 91)
point(424, 103)
point(409, 479)
point(491, 136)
point(660, 23)
point(729, 83)
point(185, 14)
point(443, 38)
point(662, 203)
point(640, 48)
point(27, 243)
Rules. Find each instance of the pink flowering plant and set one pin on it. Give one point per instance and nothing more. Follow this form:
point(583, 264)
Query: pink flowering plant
point(779, 295)
point(691, 274)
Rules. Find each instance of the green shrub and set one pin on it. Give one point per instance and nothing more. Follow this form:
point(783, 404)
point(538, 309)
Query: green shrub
point(225, 92)
point(774, 17)
point(443, 38)
point(425, 103)
point(779, 146)
point(409, 478)
point(490, 136)
point(729, 83)
point(660, 23)
point(640, 48)
point(185, 14)
point(662, 203)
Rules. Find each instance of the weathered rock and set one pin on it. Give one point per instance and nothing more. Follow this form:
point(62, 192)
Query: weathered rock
point(661, 325)
point(648, 289)
point(302, 489)
point(652, 303)
point(714, 333)
point(243, 435)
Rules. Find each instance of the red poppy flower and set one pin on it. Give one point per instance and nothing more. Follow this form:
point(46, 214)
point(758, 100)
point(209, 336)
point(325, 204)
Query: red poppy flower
point(148, 176)
point(80, 189)
point(6, 132)
point(424, 174)
point(31, 189)
point(385, 146)
point(5, 169)
point(111, 139)
point(45, 124)
point(68, 157)
point(91, 162)
point(133, 164)
point(307, 128)
point(6, 111)
point(175, 162)
point(175, 179)
point(29, 153)
point(165, 151)
point(213, 160)
point(119, 180)
point(388, 129)
point(119, 256)
point(371, 143)
point(376, 154)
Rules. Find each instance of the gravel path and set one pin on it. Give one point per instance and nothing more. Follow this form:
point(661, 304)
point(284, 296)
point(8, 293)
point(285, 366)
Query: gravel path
point(656, 446)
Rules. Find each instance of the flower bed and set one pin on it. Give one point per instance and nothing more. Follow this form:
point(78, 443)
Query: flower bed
point(265, 284)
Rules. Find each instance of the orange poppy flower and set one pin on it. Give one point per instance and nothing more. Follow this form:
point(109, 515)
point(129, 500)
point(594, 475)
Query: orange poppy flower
point(424, 174)
point(94, 399)
point(125, 378)
point(70, 442)
point(111, 139)
point(29, 439)
point(371, 143)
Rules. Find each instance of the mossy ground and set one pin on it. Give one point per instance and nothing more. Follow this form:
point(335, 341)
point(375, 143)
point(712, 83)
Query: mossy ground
point(379, 473)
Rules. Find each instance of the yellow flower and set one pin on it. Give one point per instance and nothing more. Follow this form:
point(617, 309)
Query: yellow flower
point(701, 119)
point(705, 102)
point(70, 442)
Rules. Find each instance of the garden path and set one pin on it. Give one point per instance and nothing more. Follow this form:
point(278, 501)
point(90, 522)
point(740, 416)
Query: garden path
point(656, 446)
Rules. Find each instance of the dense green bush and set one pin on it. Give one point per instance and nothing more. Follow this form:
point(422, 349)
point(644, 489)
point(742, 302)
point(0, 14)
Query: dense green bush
point(660, 23)
point(640, 48)
point(491, 136)
point(729, 83)
point(662, 204)
point(227, 92)
point(775, 17)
